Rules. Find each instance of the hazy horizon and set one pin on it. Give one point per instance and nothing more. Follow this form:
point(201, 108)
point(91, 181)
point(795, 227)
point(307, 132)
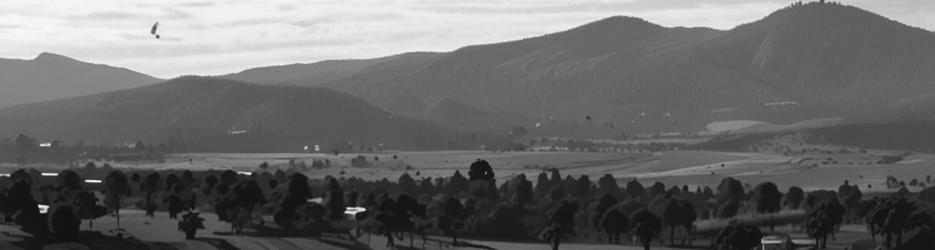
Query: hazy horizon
point(199, 38)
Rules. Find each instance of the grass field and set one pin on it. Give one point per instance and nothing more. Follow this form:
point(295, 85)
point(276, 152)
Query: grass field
point(690, 168)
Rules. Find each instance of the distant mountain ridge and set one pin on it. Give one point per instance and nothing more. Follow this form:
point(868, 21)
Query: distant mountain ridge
point(51, 76)
point(218, 115)
point(625, 75)
point(802, 62)
point(315, 74)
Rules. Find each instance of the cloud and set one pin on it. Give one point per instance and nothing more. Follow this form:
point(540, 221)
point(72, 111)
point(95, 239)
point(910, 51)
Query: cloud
point(287, 7)
point(107, 16)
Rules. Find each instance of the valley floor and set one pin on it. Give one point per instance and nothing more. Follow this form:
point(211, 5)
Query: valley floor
point(692, 168)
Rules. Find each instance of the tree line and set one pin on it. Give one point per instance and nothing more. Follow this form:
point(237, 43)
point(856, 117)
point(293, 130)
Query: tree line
point(554, 209)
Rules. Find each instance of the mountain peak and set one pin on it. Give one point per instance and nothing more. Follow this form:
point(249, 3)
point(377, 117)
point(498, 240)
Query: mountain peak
point(616, 23)
point(824, 13)
point(49, 56)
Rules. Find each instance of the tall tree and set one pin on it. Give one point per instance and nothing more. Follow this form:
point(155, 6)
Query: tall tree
point(614, 223)
point(606, 202)
point(335, 200)
point(452, 220)
point(561, 221)
point(116, 187)
point(678, 213)
point(297, 194)
point(481, 170)
point(646, 226)
point(635, 189)
point(794, 197)
point(88, 208)
point(608, 185)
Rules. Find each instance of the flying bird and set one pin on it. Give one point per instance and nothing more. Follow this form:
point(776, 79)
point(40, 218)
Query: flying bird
point(153, 30)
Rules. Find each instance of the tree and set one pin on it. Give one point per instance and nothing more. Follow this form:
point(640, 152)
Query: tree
point(794, 197)
point(481, 170)
point(335, 200)
point(738, 236)
point(116, 187)
point(582, 187)
point(558, 193)
point(893, 216)
point(69, 183)
point(608, 185)
point(171, 179)
point(22, 207)
point(188, 179)
point(657, 188)
point(678, 213)
point(152, 183)
point(768, 199)
point(87, 207)
point(190, 223)
point(822, 221)
point(228, 177)
point(730, 189)
point(543, 186)
point(561, 221)
point(65, 223)
point(388, 220)
point(850, 197)
point(505, 221)
point(456, 184)
point(24, 144)
point(453, 219)
point(139, 145)
point(606, 202)
point(297, 194)
point(407, 183)
point(728, 209)
point(635, 189)
point(646, 226)
point(614, 223)
point(927, 194)
point(520, 190)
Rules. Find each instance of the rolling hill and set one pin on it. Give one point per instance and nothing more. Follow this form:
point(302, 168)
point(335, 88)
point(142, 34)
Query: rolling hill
point(218, 115)
point(805, 61)
point(51, 76)
point(315, 74)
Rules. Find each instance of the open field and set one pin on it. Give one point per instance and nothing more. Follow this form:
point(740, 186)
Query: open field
point(690, 168)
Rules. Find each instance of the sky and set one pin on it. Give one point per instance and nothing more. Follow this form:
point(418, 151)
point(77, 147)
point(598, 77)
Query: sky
point(210, 37)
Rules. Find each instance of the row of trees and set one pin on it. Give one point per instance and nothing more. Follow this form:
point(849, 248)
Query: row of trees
point(553, 209)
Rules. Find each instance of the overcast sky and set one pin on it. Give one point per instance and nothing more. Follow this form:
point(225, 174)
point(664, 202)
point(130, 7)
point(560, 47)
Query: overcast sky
point(216, 37)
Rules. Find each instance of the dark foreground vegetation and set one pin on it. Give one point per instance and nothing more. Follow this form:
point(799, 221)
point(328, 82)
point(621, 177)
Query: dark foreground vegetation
point(557, 209)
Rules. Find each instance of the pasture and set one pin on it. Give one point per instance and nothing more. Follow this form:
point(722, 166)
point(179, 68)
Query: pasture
point(692, 168)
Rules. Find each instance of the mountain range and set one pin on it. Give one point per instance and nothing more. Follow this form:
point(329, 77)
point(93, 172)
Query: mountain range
point(615, 75)
point(51, 76)
point(802, 62)
point(218, 115)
